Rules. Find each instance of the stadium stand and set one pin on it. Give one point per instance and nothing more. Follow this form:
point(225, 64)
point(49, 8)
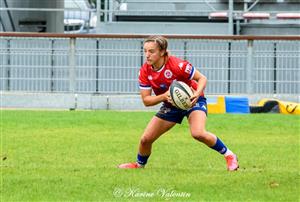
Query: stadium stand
point(261, 18)
point(7, 24)
point(288, 15)
point(175, 16)
point(249, 15)
point(206, 17)
point(218, 15)
point(31, 16)
point(203, 17)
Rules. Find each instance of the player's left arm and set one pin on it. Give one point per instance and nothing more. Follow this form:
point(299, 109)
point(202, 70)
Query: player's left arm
point(151, 100)
point(201, 80)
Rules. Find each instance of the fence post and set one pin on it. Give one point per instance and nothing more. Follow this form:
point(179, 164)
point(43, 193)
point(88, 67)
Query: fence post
point(97, 66)
point(249, 71)
point(229, 68)
point(52, 65)
point(275, 69)
point(8, 65)
point(72, 64)
point(99, 11)
point(230, 17)
point(111, 10)
point(142, 53)
point(105, 13)
point(184, 50)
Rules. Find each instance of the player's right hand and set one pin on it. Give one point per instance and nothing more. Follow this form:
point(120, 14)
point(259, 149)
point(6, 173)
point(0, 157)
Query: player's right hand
point(168, 97)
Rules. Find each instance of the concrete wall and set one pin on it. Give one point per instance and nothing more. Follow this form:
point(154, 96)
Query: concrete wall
point(72, 101)
point(98, 102)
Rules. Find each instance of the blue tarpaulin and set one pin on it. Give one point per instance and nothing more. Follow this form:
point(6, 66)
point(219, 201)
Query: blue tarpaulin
point(237, 104)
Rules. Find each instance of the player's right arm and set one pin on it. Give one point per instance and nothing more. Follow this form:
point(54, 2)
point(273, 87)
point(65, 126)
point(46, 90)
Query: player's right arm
point(151, 100)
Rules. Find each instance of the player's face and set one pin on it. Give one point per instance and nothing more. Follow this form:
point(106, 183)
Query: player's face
point(152, 53)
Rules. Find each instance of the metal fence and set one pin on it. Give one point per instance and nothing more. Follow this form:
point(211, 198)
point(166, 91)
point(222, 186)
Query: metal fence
point(110, 64)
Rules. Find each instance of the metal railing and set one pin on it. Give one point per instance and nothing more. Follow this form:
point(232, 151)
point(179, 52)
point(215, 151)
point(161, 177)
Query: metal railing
point(109, 64)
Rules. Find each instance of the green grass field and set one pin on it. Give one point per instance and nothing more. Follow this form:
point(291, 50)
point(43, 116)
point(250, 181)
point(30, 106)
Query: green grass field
point(73, 155)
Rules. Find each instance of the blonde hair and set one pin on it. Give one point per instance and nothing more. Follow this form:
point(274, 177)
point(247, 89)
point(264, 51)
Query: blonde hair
point(161, 41)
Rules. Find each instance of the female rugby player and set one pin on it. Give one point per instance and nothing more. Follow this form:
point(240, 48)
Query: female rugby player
point(156, 75)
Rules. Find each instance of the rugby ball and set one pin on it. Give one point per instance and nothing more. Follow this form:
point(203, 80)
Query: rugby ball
point(180, 94)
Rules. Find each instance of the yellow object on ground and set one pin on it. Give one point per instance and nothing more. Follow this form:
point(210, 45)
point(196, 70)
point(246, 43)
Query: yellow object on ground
point(217, 107)
point(284, 107)
point(289, 107)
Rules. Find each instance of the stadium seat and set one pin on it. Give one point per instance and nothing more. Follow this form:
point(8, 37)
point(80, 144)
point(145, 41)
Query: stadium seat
point(251, 15)
point(285, 16)
point(218, 15)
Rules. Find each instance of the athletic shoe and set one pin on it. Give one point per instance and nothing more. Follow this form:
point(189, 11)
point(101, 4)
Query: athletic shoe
point(232, 162)
point(130, 165)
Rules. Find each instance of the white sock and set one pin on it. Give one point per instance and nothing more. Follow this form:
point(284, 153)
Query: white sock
point(228, 152)
point(140, 165)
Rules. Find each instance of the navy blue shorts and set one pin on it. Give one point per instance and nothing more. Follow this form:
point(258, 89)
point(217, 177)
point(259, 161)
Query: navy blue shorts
point(176, 115)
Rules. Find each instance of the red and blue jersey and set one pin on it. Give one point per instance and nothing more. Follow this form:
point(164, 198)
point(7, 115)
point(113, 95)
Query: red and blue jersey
point(160, 81)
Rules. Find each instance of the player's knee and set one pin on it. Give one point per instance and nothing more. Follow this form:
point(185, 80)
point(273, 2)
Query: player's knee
point(199, 135)
point(146, 140)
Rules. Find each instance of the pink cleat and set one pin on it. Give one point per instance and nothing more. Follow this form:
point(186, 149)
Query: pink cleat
point(232, 162)
point(130, 165)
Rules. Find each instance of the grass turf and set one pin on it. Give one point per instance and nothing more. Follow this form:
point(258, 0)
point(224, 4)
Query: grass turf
point(72, 155)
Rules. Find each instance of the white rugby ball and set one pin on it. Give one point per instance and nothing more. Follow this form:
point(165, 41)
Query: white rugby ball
point(180, 94)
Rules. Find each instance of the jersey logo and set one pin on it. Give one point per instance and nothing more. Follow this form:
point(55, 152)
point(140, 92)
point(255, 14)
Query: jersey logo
point(163, 86)
point(150, 77)
point(168, 74)
point(180, 65)
point(188, 68)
